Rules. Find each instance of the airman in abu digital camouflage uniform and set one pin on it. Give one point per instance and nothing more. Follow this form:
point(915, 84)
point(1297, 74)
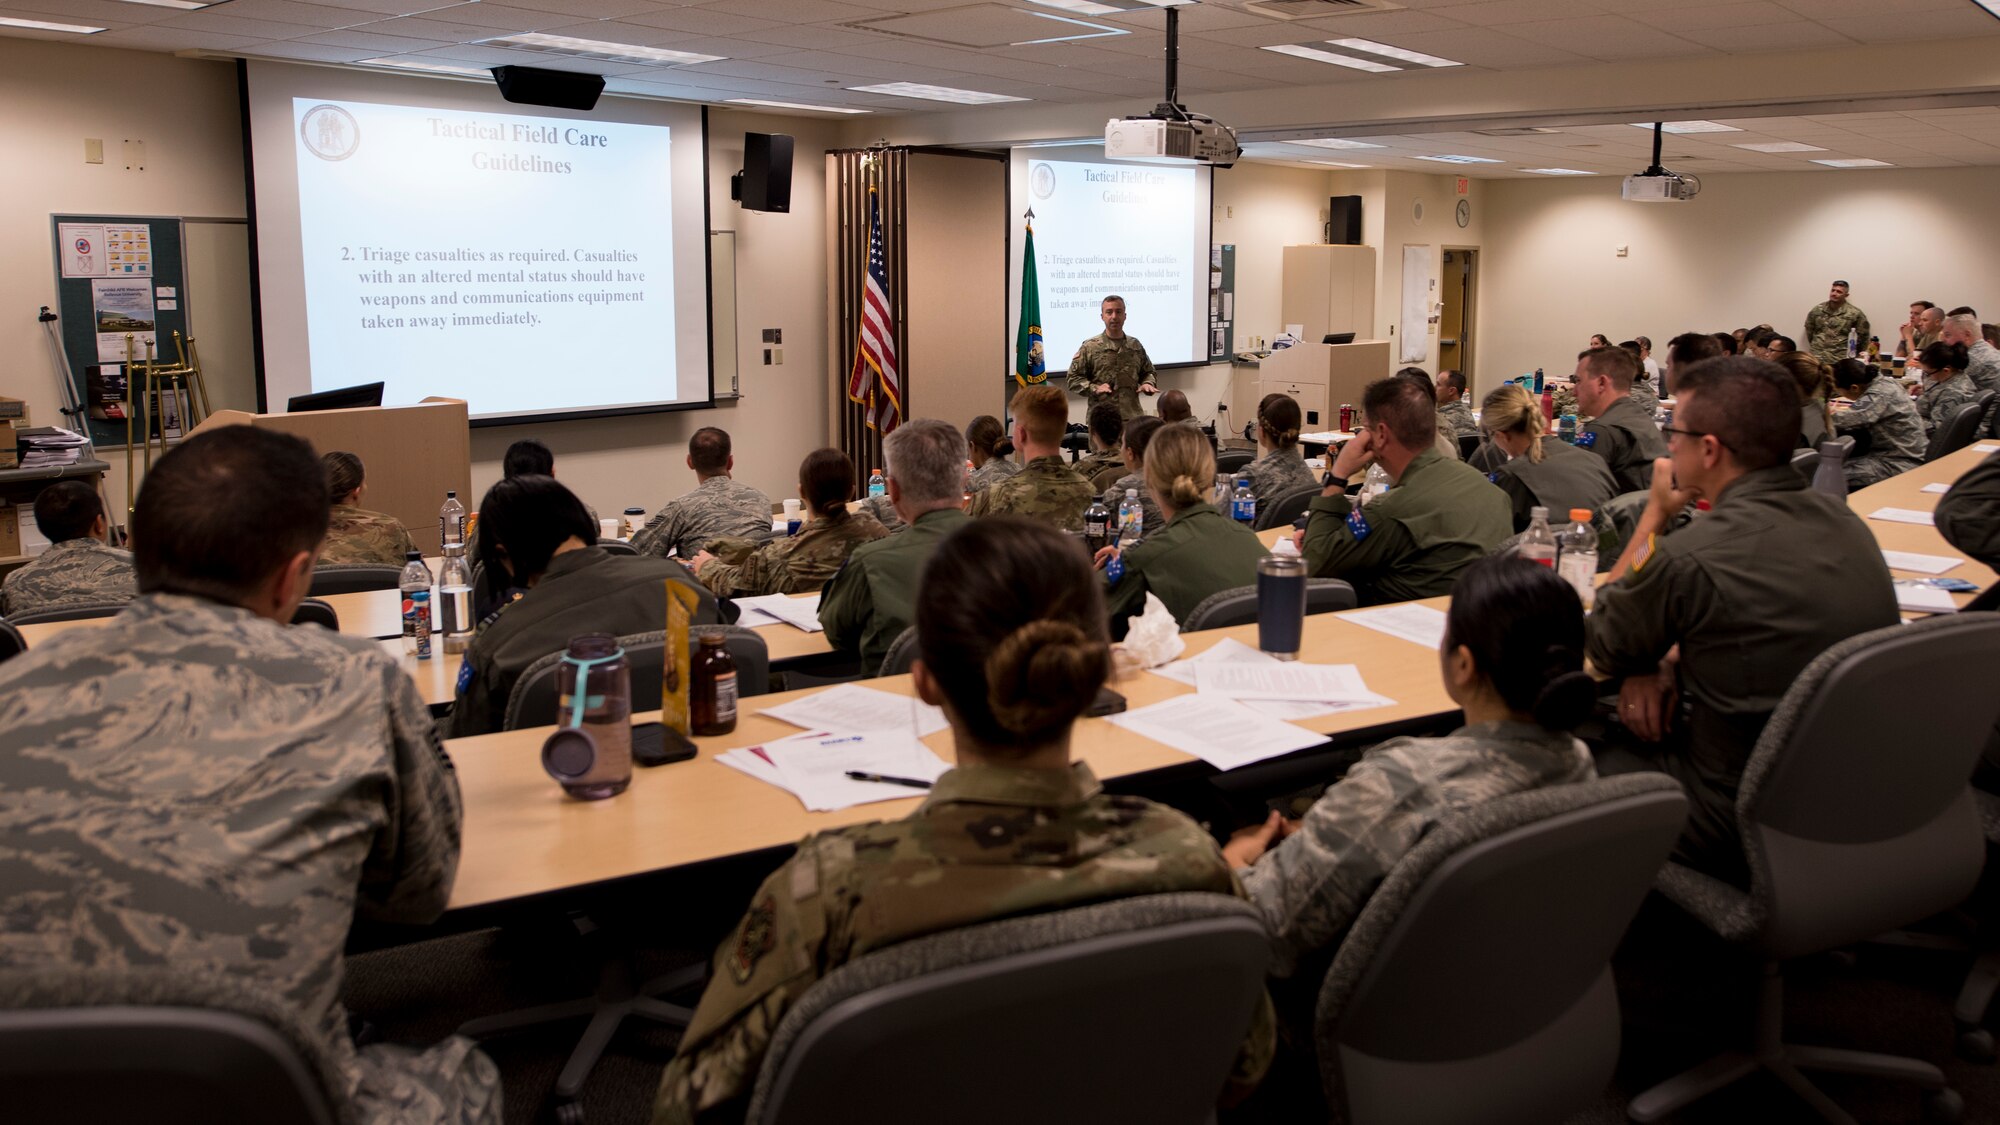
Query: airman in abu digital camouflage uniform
point(718, 506)
point(1113, 361)
point(1885, 412)
point(1942, 398)
point(78, 568)
point(198, 783)
point(1456, 417)
point(800, 564)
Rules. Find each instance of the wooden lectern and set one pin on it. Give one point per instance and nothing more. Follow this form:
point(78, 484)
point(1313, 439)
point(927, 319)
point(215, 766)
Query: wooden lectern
point(413, 454)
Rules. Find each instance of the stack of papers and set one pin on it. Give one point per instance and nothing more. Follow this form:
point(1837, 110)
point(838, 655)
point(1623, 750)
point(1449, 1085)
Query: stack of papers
point(853, 709)
point(1242, 697)
point(770, 609)
point(1417, 623)
point(1903, 515)
point(1922, 564)
point(44, 446)
point(813, 767)
point(1921, 597)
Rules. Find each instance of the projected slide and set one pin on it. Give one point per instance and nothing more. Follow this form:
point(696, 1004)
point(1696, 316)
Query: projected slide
point(520, 263)
point(1137, 230)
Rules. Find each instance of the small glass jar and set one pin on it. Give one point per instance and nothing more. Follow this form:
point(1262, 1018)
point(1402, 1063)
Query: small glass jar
point(712, 694)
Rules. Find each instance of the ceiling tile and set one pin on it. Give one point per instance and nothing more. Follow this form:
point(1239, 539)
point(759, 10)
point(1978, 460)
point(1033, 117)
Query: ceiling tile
point(1607, 38)
point(379, 44)
point(706, 21)
point(1798, 35)
point(1714, 17)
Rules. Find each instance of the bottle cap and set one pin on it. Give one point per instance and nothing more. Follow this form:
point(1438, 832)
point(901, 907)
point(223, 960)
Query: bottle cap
point(1131, 494)
point(412, 556)
point(1538, 513)
point(1580, 515)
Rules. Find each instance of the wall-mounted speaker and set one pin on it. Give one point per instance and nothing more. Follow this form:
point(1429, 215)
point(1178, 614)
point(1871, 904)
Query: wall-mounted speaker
point(765, 183)
point(1343, 220)
point(561, 89)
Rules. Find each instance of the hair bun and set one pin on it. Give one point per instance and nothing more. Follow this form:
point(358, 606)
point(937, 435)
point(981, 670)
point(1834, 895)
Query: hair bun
point(1565, 700)
point(1043, 675)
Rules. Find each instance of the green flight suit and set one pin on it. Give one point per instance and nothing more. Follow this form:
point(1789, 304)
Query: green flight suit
point(869, 603)
point(1566, 477)
point(1628, 440)
point(1751, 591)
point(1200, 552)
point(1969, 515)
point(1411, 541)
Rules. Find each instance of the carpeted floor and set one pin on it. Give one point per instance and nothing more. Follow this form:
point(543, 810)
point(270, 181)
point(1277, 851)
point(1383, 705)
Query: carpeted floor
point(1684, 995)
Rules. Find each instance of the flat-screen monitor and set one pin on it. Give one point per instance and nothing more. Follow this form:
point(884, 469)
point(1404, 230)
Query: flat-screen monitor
point(343, 398)
point(1338, 338)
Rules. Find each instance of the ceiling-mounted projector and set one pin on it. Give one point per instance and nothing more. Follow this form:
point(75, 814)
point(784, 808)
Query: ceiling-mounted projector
point(1170, 134)
point(1164, 139)
point(1660, 187)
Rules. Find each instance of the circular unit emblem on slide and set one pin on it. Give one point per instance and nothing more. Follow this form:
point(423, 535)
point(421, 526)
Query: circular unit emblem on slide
point(1042, 181)
point(330, 132)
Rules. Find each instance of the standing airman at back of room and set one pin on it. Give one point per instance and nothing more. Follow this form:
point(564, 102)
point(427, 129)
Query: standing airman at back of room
point(79, 568)
point(1833, 322)
point(1618, 431)
point(1045, 488)
point(1111, 366)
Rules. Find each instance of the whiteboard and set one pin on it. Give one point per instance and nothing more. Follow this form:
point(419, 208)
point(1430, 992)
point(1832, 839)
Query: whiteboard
point(1417, 285)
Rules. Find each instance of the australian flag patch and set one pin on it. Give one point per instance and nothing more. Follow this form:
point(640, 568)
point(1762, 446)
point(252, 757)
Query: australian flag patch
point(464, 676)
point(1586, 439)
point(1494, 477)
point(1358, 524)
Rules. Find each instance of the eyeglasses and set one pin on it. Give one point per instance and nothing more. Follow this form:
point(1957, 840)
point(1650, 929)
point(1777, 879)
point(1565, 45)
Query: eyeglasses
point(1684, 433)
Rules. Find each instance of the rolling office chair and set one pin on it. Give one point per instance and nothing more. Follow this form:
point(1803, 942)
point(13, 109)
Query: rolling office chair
point(902, 653)
point(312, 611)
point(82, 611)
point(616, 547)
point(12, 643)
point(1072, 1000)
point(1231, 461)
point(1806, 462)
point(1415, 1024)
point(1961, 430)
point(1282, 511)
point(1238, 606)
point(1845, 842)
point(353, 578)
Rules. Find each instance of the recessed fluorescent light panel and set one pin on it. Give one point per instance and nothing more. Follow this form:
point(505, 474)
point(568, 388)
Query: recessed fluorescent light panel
point(1863, 163)
point(1781, 146)
point(44, 25)
point(1110, 7)
point(1317, 55)
point(1334, 142)
point(1337, 164)
point(1558, 171)
point(796, 105)
point(599, 49)
point(183, 5)
point(1088, 30)
point(1388, 52)
point(427, 67)
point(1462, 159)
point(936, 93)
point(1689, 127)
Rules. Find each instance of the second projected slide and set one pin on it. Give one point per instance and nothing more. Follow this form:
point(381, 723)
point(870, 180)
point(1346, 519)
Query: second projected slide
point(485, 256)
point(1126, 229)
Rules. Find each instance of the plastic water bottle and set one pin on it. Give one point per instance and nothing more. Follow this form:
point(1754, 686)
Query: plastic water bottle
point(455, 599)
point(1549, 403)
point(1578, 561)
point(1223, 491)
point(1243, 503)
point(1540, 543)
point(451, 521)
point(1566, 428)
point(876, 485)
point(416, 581)
point(1131, 518)
point(1541, 381)
point(1853, 343)
point(1831, 475)
point(1373, 484)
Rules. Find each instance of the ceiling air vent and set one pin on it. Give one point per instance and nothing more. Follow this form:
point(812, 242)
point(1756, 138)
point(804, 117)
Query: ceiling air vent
point(1317, 9)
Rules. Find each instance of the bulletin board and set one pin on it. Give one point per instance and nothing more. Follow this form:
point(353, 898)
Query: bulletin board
point(116, 275)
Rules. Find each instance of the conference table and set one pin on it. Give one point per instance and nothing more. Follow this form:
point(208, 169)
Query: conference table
point(1906, 491)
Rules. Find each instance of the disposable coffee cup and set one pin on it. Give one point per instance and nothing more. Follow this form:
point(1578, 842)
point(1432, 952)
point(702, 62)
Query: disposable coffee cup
point(607, 529)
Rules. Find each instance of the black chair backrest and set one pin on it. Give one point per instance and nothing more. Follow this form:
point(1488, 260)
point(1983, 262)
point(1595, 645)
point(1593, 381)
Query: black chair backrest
point(312, 611)
point(80, 612)
point(532, 703)
point(1074, 1001)
point(1961, 430)
point(1238, 606)
point(902, 651)
point(1468, 444)
point(1476, 983)
point(1282, 511)
point(1852, 824)
point(1985, 601)
point(12, 643)
point(353, 578)
point(616, 547)
point(1232, 460)
point(75, 1047)
point(1806, 461)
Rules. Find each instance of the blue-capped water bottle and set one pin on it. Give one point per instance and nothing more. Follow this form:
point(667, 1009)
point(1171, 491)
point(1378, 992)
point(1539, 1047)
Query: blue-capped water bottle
point(1243, 505)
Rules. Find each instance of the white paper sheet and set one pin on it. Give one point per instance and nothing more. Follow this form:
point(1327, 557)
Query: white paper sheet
point(802, 612)
point(1922, 564)
point(1418, 623)
point(853, 709)
point(1986, 447)
point(1938, 488)
point(1226, 650)
point(814, 767)
point(1919, 598)
point(1221, 732)
point(1903, 515)
point(1333, 683)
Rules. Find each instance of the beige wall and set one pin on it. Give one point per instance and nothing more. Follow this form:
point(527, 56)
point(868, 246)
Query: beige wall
point(960, 344)
point(1749, 249)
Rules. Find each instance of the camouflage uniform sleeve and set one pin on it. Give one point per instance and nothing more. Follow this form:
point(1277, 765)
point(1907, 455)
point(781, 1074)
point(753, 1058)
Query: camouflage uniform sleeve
point(1146, 372)
point(661, 532)
point(1342, 542)
point(982, 500)
point(1313, 884)
point(408, 874)
point(1968, 516)
point(761, 571)
point(1870, 408)
point(1813, 318)
point(1079, 373)
point(758, 972)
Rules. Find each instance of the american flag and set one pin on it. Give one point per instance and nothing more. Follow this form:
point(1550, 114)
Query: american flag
point(875, 350)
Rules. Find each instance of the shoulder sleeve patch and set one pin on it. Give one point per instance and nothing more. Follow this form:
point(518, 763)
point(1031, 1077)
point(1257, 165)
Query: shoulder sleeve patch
point(1586, 439)
point(1358, 524)
point(1494, 477)
point(464, 676)
point(759, 934)
point(1645, 554)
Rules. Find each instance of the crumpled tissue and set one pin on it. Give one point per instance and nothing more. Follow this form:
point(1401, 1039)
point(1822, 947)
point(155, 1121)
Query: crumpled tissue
point(1154, 637)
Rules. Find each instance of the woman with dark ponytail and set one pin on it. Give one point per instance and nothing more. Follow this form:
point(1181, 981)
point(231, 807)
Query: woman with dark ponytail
point(1945, 387)
point(1512, 658)
point(1010, 630)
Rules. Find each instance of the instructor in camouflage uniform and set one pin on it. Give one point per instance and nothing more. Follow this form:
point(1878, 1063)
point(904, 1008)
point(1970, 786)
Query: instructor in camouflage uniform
point(1012, 634)
point(79, 568)
point(1829, 322)
point(200, 784)
point(1111, 366)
